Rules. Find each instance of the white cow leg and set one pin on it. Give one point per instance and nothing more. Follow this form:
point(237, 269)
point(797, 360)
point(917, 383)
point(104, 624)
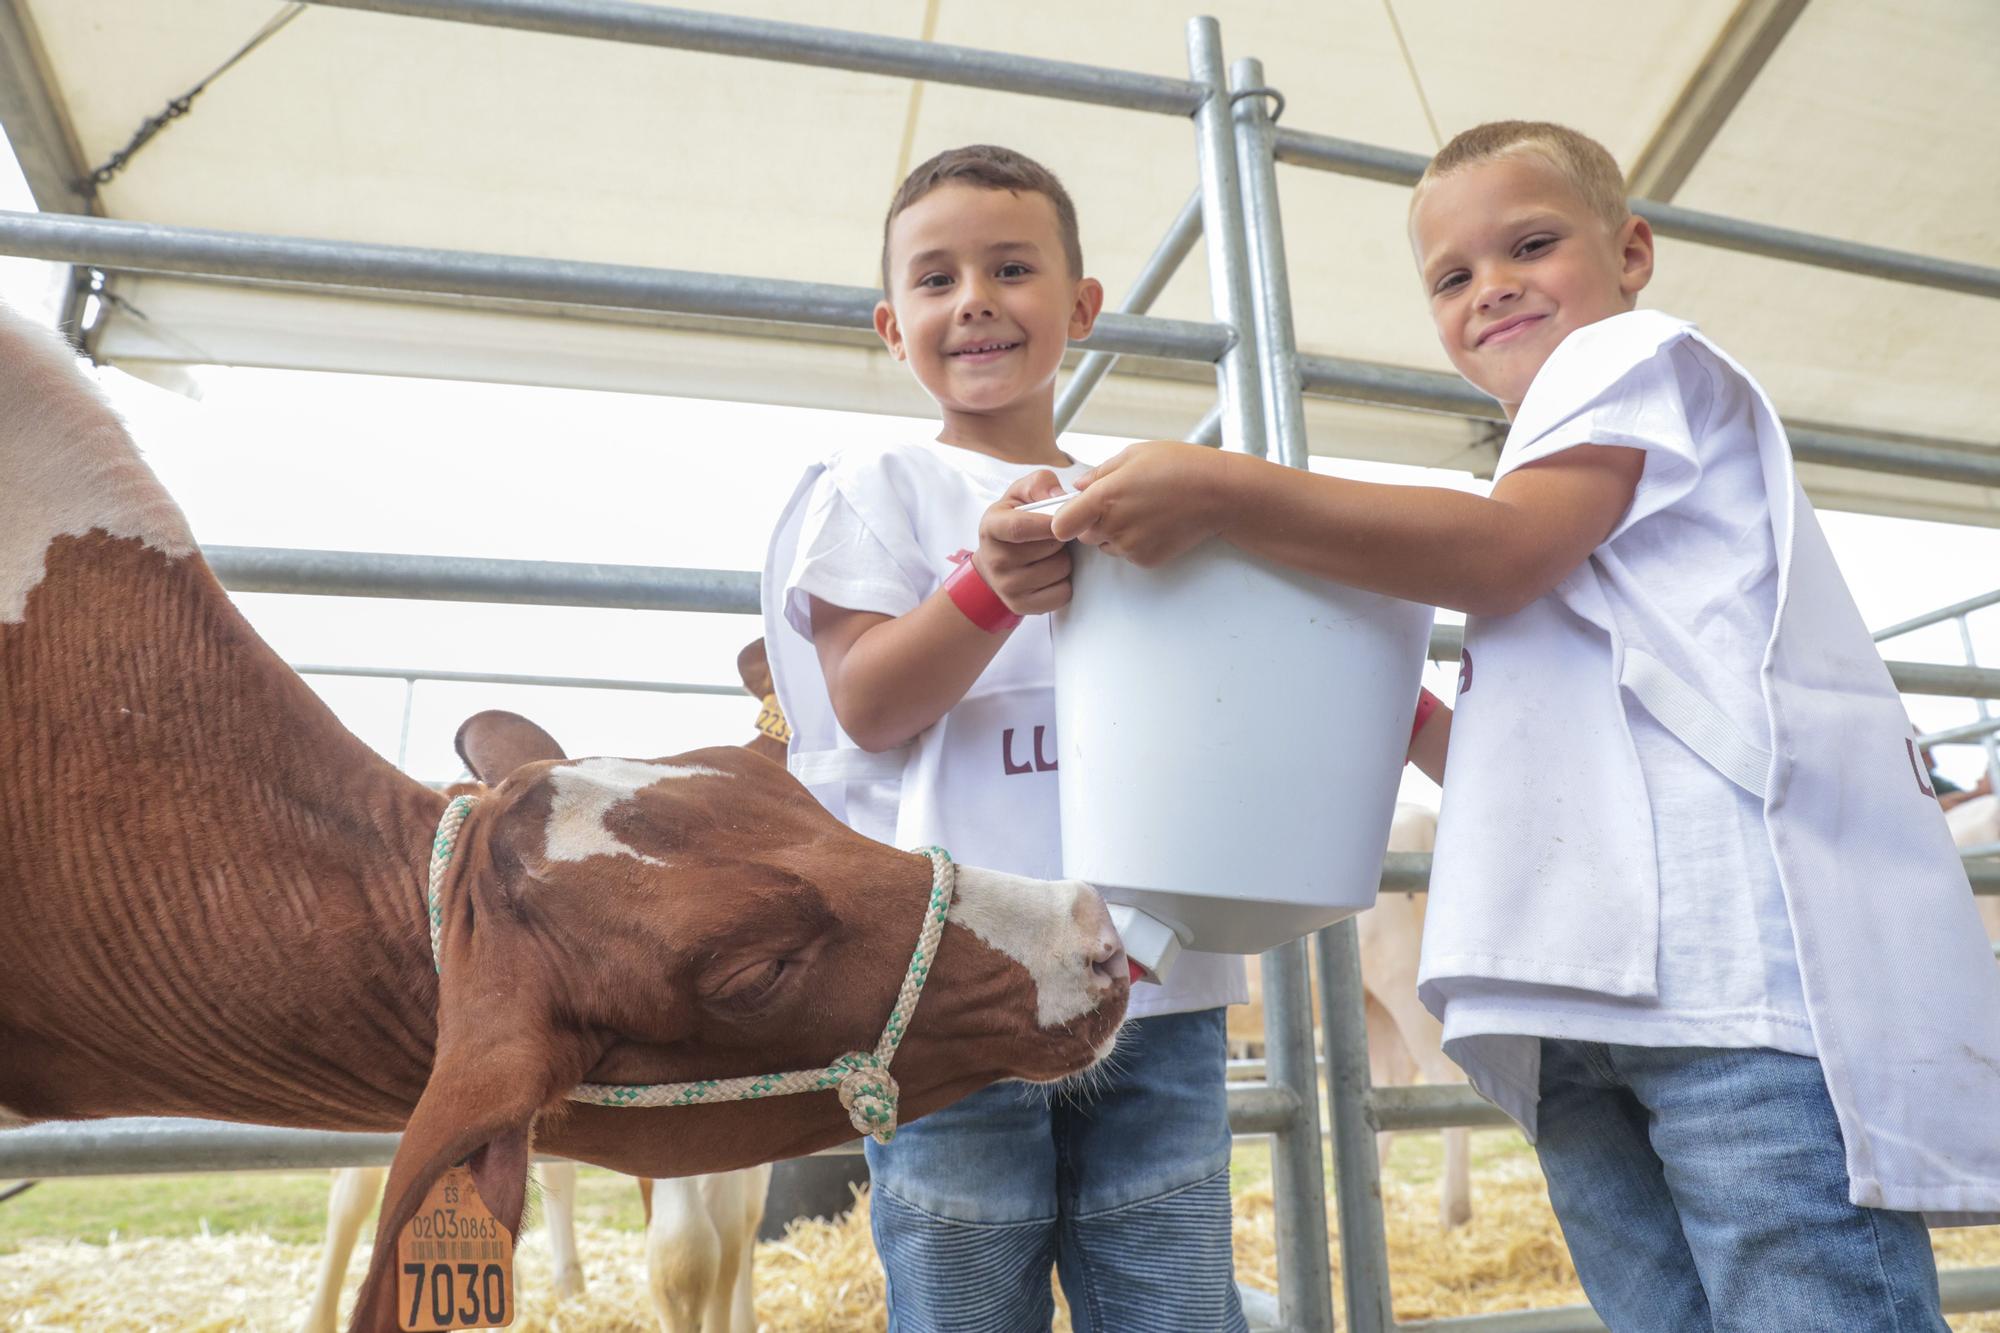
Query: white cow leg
point(758, 1180)
point(747, 1211)
point(1455, 1204)
point(1389, 1063)
point(559, 1198)
point(683, 1255)
point(355, 1190)
point(1455, 1189)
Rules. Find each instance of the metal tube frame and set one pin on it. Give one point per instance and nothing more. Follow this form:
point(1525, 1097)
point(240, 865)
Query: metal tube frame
point(1305, 1281)
point(1260, 377)
point(800, 44)
point(1345, 157)
point(1305, 1291)
point(414, 674)
point(1223, 230)
point(1159, 270)
point(195, 251)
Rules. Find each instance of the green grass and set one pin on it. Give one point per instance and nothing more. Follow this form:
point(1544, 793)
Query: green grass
point(287, 1205)
point(291, 1206)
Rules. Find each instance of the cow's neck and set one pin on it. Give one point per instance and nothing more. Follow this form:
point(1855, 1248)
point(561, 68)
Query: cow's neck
point(218, 910)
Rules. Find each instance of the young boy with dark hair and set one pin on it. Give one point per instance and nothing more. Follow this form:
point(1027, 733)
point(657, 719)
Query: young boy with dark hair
point(1696, 921)
point(918, 678)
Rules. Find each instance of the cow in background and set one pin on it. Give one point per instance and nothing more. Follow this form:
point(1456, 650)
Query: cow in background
point(1404, 1041)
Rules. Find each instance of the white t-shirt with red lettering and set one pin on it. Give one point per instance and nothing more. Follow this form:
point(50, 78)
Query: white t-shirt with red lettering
point(875, 530)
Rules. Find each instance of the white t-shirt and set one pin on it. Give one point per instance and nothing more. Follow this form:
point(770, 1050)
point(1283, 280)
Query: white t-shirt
point(877, 535)
point(1694, 584)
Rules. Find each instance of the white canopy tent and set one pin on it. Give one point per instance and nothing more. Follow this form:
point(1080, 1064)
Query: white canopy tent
point(478, 138)
point(1846, 118)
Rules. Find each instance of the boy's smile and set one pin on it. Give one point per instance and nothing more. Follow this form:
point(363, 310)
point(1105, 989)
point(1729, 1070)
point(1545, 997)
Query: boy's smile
point(982, 305)
point(1514, 261)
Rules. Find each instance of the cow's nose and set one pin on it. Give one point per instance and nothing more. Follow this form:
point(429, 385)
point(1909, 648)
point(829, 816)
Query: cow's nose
point(1102, 946)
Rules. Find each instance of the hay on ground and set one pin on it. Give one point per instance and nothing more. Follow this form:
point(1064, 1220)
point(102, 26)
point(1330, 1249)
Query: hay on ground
point(821, 1278)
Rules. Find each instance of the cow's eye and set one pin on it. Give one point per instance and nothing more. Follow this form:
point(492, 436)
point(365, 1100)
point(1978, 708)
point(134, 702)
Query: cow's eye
point(749, 985)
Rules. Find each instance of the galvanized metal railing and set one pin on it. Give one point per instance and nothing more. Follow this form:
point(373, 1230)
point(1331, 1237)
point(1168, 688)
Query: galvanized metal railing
point(1260, 380)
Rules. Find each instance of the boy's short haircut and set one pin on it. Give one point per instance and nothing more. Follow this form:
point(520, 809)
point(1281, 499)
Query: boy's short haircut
point(989, 167)
point(1585, 163)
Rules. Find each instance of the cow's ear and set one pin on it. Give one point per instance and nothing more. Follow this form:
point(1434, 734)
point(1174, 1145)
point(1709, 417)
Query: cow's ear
point(495, 743)
point(753, 666)
point(479, 1108)
point(501, 1061)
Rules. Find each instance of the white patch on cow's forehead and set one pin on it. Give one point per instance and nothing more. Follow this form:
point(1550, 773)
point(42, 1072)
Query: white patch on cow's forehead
point(66, 464)
point(1033, 921)
point(588, 790)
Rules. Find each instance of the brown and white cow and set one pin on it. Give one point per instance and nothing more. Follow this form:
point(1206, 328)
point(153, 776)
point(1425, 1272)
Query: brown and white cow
point(212, 895)
point(700, 1240)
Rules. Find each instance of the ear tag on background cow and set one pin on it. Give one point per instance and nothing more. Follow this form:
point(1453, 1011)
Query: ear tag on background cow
point(454, 1261)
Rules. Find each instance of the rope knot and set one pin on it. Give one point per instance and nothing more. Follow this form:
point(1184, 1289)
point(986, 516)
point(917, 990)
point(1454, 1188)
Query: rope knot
point(869, 1093)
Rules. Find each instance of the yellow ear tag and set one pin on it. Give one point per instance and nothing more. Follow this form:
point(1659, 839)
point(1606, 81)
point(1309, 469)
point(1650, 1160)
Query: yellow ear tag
point(455, 1262)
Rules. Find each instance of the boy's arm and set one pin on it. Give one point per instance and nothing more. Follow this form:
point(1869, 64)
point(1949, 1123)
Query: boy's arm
point(1484, 555)
point(889, 677)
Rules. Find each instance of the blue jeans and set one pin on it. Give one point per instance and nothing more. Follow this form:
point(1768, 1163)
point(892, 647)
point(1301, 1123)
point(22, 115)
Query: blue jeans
point(1706, 1189)
point(1121, 1183)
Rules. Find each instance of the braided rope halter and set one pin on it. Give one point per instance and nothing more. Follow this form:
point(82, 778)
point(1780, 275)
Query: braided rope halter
point(860, 1078)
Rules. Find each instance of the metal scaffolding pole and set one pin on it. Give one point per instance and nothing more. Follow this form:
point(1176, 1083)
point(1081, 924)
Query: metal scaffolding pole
point(1208, 430)
point(1146, 288)
point(660, 588)
point(1939, 616)
point(1357, 1171)
point(800, 44)
point(153, 248)
point(414, 674)
point(1348, 158)
point(1967, 682)
point(1430, 391)
point(445, 578)
point(152, 1145)
point(1277, 344)
point(1222, 225)
point(1305, 1293)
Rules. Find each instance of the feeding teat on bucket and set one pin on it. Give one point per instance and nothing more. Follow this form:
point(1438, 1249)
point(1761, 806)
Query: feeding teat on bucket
point(1230, 737)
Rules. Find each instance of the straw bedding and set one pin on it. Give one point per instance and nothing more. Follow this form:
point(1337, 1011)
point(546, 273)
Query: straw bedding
point(822, 1278)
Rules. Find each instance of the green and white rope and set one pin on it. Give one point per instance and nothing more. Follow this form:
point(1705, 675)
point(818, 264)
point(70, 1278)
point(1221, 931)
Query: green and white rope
point(449, 824)
point(861, 1079)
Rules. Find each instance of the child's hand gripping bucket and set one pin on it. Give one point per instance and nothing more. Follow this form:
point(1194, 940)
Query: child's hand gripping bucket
point(1230, 738)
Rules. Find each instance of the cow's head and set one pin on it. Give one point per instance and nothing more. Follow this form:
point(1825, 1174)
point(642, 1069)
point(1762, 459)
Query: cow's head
point(629, 921)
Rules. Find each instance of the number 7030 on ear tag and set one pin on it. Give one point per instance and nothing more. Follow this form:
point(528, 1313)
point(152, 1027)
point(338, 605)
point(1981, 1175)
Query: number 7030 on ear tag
point(454, 1261)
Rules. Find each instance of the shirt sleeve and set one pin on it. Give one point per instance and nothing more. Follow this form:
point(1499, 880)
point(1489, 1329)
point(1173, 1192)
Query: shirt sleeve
point(844, 563)
point(1598, 392)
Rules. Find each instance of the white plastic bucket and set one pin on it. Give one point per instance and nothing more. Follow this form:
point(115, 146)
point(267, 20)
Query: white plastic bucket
point(1230, 740)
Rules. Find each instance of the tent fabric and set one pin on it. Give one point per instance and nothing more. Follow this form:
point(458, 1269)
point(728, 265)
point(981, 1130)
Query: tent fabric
point(1867, 122)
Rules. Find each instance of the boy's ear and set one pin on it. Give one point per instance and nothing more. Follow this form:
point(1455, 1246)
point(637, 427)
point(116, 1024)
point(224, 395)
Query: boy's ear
point(1089, 304)
point(1635, 247)
point(888, 330)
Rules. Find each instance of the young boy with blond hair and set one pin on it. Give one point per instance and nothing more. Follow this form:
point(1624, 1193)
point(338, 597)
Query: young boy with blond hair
point(1696, 923)
point(902, 601)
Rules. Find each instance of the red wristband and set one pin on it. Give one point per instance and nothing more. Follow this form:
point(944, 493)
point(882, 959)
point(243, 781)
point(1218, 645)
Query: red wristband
point(971, 594)
point(1427, 703)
